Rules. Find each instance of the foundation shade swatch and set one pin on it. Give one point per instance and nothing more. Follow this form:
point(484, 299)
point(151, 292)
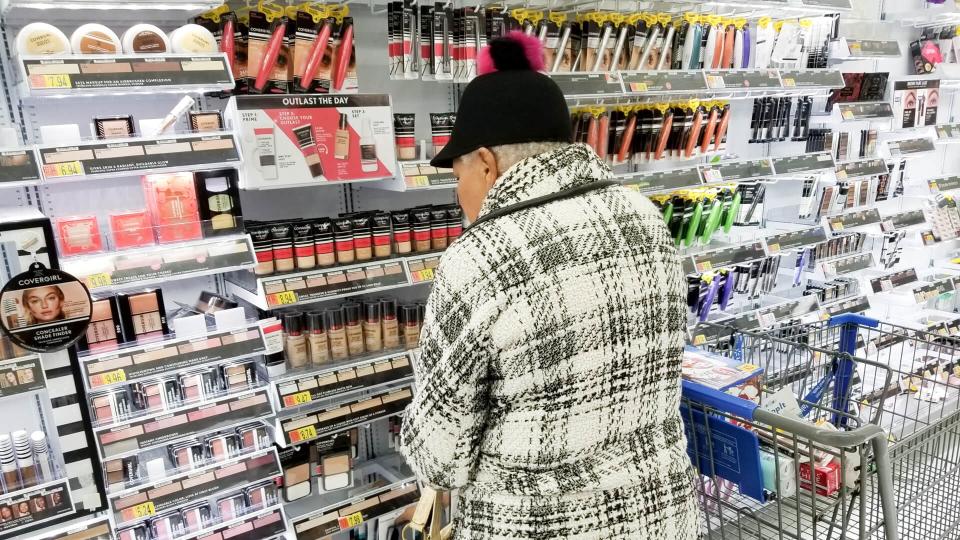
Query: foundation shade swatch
point(266, 525)
point(150, 432)
point(168, 148)
point(320, 527)
point(202, 65)
point(213, 144)
point(154, 67)
point(53, 69)
point(67, 154)
point(118, 152)
point(174, 494)
point(99, 68)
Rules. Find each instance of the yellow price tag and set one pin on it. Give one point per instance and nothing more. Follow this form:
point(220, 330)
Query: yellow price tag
point(351, 521)
point(303, 434)
point(297, 399)
point(423, 275)
point(704, 266)
point(638, 87)
point(95, 281)
point(789, 83)
point(848, 115)
point(774, 248)
point(836, 226)
point(418, 181)
point(699, 339)
point(143, 510)
point(283, 298)
point(55, 80)
point(67, 168)
point(747, 367)
point(841, 175)
point(113, 377)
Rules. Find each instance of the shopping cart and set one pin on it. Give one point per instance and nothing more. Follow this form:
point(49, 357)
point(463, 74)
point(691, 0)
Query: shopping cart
point(817, 468)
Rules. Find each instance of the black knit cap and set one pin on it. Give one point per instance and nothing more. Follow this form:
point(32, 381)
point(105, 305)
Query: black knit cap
point(514, 103)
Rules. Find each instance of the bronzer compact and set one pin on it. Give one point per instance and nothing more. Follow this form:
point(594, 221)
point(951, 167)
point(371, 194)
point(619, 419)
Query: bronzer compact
point(142, 315)
point(104, 331)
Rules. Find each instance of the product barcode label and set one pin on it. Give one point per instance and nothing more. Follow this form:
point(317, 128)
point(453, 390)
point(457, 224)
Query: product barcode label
point(423, 275)
point(420, 180)
point(95, 281)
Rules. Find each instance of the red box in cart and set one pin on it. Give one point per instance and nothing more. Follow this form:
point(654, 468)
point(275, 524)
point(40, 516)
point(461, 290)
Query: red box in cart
point(300, 140)
point(827, 477)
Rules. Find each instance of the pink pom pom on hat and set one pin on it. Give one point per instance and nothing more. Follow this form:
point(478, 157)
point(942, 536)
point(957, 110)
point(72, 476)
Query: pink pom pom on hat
point(515, 51)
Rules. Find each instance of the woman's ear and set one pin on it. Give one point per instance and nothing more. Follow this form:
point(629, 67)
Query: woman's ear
point(490, 171)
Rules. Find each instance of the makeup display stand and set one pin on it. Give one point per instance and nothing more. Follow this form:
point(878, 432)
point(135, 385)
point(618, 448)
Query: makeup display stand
point(245, 379)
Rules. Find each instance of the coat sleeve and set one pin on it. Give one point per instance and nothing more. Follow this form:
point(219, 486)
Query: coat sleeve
point(444, 425)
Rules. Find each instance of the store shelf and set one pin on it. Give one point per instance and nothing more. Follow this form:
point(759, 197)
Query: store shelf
point(322, 387)
point(262, 524)
point(364, 503)
point(795, 239)
point(630, 86)
point(129, 437)
point(372, 477)
point(56, 501)
point(87, 528)
point(417, 176)
point(852, 220)
point(107, 369)
point(95, 160)
point(161, 263)
point(140, 504)
point(856, 50)
point(729, 256)
point(343, 416)
point(322, 284)
point(79, 75)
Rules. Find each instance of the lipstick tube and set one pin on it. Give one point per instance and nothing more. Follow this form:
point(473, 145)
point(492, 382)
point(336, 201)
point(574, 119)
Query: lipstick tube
point(694, 133)
point(664, 135)
point(315, 57)
point(627, 141)
point(722, 130)
point(344, 54)
point(272, 54)
point(228, 43)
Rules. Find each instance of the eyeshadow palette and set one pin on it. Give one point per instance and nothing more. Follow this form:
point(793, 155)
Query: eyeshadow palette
point(145, 433)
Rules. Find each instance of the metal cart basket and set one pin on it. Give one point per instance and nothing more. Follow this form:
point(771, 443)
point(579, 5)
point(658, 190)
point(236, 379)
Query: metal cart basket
point(850, 459)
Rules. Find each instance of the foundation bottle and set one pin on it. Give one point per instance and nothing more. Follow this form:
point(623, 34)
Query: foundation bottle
point(343, 240)
point(341, 145)
point(411, 326)
point(323, 242)
point(294, 342)
point(381, 235)
point(8, 465)
point(28, 469)
point(372, 330)
point(421, 229)
point(336, 333)
point(402, 232)
point(303, 245)
point(388, 320)
point(351, 313)
point(362, 237)
point(317, 339)
point(39, 442)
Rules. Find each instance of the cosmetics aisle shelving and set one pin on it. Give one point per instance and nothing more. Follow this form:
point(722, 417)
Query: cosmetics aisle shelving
point(259, 260)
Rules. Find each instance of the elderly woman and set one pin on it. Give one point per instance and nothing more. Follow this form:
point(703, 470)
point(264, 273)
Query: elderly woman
point(548, 386)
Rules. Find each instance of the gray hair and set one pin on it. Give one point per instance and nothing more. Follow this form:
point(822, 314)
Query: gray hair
point(508, 155)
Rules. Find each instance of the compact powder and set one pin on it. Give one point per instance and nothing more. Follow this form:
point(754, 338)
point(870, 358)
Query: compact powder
point(42, 38)
point(95, 38)
point(144, 39)
point(202, 122)
point(113, 127)
point(193, 39)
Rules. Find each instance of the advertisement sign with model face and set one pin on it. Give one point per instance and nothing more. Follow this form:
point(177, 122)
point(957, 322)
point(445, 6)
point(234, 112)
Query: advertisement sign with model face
point(44, 310)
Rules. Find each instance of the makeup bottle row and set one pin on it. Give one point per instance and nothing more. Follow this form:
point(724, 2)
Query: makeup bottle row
point(290, 246)
point(438, 42)
point(329, 460)
point(25, 460)
point(201, 515)
point(173, 391)
point(180, 207)
point(274, 48)
point(648, 133)
point(318, 338)
point(404, 130)
point(188, 455)
point(39, 38)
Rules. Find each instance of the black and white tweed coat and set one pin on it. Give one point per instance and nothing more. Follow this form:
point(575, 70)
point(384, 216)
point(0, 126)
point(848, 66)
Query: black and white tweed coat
point(549, 380)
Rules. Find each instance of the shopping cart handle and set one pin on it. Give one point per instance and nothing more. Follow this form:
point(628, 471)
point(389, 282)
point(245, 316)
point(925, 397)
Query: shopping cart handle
point(721, 401)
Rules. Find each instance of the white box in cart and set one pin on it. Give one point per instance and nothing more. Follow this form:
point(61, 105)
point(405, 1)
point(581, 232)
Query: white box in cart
point(311, 139)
